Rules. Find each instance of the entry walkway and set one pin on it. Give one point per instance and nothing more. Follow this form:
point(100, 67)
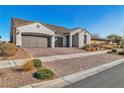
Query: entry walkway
point(13, 63)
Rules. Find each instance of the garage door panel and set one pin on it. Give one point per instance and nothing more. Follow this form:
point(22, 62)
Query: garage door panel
point(24, 41)
point(35, 41)
point(32, 42)
point(42, 42)
point(75, 40)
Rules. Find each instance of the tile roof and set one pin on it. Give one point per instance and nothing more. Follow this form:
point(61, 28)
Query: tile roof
point(58, 29)
point(20, 22)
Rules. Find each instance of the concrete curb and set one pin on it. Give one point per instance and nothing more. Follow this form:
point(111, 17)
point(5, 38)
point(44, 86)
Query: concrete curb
point(66, 80)
point(56, 83)
point(18, 62)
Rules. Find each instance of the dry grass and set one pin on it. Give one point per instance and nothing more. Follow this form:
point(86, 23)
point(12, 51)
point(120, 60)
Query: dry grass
point(29, 65)
point(8, 49)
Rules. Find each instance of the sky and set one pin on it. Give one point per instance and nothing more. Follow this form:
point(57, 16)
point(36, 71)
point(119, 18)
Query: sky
point(104, 20)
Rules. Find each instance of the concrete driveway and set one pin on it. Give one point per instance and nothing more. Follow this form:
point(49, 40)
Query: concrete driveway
point(73, 65)
point(39, 52)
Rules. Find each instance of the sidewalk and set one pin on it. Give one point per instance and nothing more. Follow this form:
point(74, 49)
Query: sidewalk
point(13, 63)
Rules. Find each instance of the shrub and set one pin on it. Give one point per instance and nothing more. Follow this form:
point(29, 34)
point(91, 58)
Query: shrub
point(114, 50)
point(43, 74)
point(110, 52)
point(87, 46)
point(88, 49)
point(37, 63)
point(93, 49)
point(8, 49)
point(28, 66)
point(2, 74)
point(121, 53)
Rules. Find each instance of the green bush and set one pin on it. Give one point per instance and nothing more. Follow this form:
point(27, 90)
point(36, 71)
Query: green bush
point(87, 46)
point(121, 53)
point(43, 74)
point(114, 50)
point(110, 52)
point(8, 49)
point(37, 63)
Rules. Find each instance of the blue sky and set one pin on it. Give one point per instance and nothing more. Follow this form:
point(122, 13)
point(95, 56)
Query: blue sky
point(104, 20)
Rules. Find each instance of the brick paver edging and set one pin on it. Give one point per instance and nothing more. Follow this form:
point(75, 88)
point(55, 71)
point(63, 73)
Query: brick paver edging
point(66, 80)
point(13, 63)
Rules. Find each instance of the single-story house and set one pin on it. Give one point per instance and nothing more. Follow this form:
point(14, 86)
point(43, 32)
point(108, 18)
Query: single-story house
point(30, 34)
point(100, 41)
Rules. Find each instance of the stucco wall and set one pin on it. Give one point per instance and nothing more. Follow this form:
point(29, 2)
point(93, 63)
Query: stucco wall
point(81, 34)
point(32, 28)
point(36, 28)
point(81, 38)
point(88, 38)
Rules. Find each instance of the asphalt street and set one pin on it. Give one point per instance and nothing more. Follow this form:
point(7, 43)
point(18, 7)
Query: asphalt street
point(111, 78)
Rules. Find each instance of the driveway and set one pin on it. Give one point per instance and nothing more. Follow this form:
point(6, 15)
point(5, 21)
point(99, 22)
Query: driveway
point(111, 78)
point(70, 66)
point(40, 52)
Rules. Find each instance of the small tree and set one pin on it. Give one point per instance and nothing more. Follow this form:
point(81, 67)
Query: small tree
point(116, 38)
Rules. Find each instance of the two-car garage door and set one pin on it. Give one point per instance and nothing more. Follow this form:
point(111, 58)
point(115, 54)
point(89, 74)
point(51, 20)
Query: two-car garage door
point(30, 41)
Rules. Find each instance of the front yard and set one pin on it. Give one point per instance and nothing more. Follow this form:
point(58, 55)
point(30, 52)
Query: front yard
point(23, 75)
point(29, 73)
point(14, 78)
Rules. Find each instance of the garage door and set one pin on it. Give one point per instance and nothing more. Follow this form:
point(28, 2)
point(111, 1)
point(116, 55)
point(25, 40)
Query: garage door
point(75, 40)
point(35, 41)
point(58, 42)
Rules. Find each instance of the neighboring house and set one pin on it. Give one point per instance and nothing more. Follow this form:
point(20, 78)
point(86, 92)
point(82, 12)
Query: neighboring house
point(99, 41)
point(30, 34)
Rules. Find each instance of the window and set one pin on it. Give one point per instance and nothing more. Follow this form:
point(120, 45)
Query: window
point(85, 39)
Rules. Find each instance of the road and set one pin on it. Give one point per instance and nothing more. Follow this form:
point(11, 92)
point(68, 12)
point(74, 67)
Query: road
point(111, 78)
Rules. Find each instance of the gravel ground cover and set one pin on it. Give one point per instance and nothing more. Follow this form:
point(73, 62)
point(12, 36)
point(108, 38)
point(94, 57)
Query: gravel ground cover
point(70, 66)
point(13, 77)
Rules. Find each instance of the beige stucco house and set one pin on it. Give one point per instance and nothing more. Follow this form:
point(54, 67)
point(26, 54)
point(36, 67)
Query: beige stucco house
point(100, 41)
point(30, 34)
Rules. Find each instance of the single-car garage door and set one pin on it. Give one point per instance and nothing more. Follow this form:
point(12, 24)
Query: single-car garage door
point(75, 40)
point(35, 41)
point(58, 42)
